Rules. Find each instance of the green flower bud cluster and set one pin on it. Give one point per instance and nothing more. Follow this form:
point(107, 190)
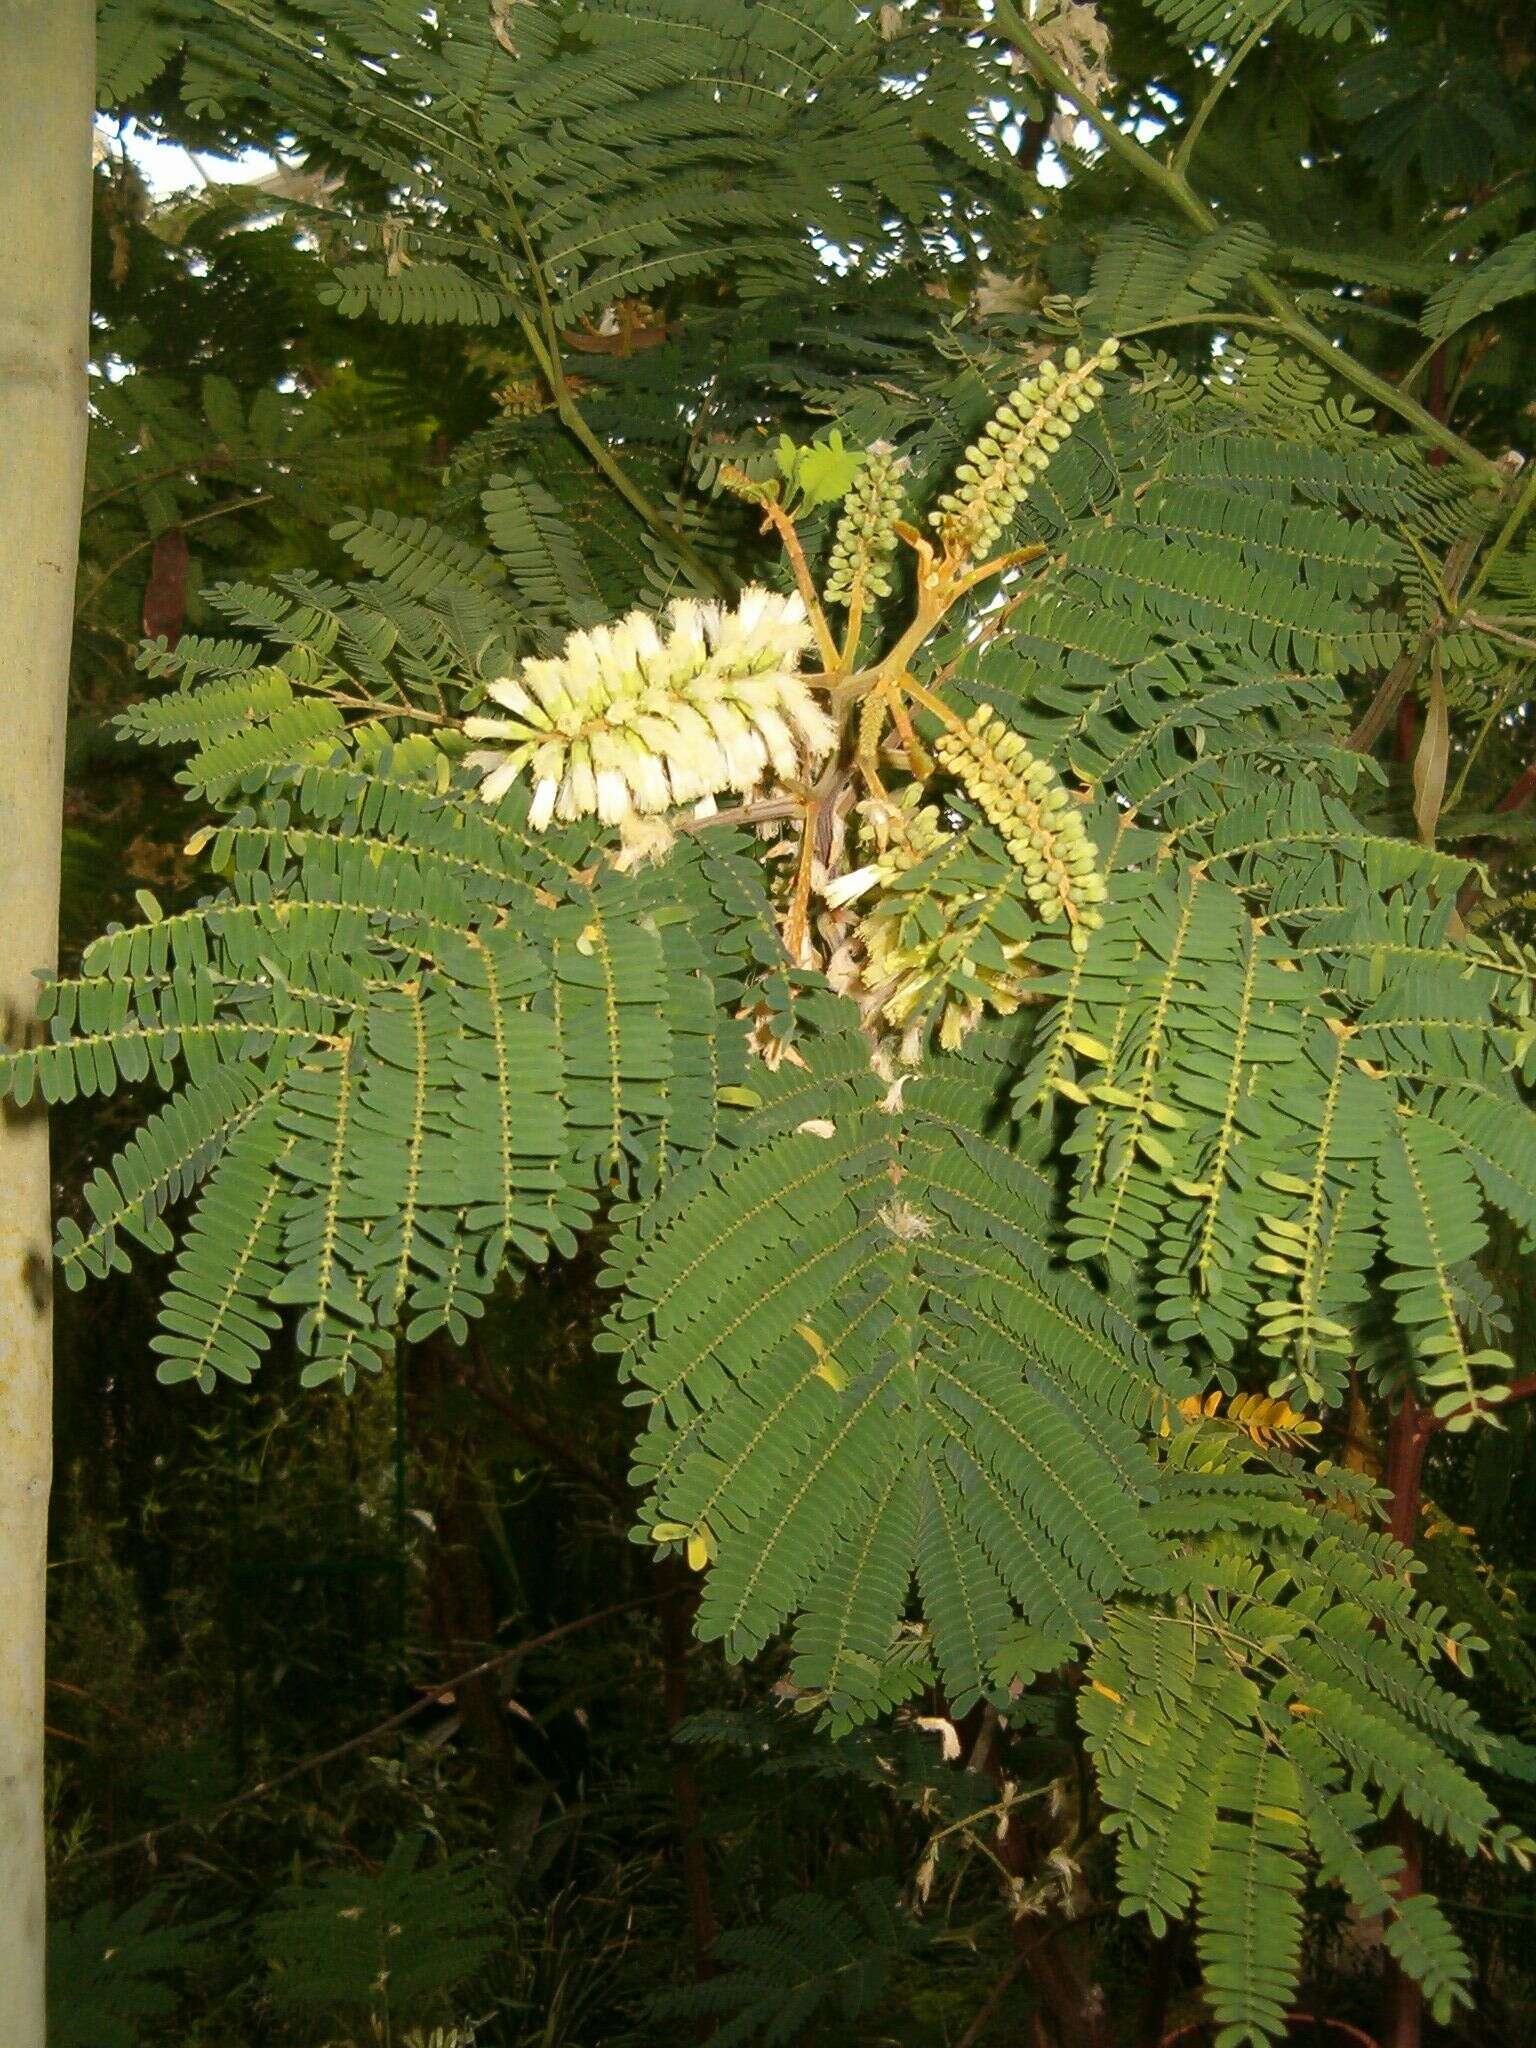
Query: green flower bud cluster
point(905, 830)
point(1016, 447)
point(946, 932)
point(630, 720)
point(865, 539)
point(1034, 816)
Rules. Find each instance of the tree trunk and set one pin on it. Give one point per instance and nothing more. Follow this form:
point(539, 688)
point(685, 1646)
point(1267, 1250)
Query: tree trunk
point(47, 91)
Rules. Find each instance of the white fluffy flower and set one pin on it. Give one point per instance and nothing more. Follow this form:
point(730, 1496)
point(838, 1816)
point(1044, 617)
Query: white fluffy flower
point(632, 718)
point(848, 888)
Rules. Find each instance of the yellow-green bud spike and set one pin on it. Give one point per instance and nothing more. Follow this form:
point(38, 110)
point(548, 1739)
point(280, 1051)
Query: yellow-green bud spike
point(865, 539)
point(1017, 444)
point(1033, 815)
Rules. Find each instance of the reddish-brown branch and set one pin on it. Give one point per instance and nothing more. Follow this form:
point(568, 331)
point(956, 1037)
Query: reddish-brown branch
point(776, 517)
point(769, 812)
point(987, 2011)
point(1157, 1989)
point(1426, 1425)
point(441, 1690)
point(1407, 729)
point(1519, 792)
point(535, 1431)
point(80, 1693)
point(1193, 2029)
point(1074, 2004)
point(1405, 2001)
point(1407, 1441)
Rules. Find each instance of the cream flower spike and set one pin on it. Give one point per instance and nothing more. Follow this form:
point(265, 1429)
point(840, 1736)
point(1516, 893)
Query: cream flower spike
point(634, 720)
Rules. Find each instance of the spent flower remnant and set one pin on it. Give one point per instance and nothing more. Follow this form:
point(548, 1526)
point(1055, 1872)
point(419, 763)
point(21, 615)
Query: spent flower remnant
point(638, 718)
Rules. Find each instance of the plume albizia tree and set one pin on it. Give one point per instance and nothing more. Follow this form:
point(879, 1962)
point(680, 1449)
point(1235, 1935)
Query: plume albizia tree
point(869, 790)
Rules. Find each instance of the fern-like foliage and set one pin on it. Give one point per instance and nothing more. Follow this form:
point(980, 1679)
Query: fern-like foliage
point(1069, 1029)
point(393, 1941)
point(892, 1312)
point(920, 1323)
point(1224, 1773)
point(819, 1957)
point(640, 149)
point(112, 1975)
point(1227, 21)
point(387, 979)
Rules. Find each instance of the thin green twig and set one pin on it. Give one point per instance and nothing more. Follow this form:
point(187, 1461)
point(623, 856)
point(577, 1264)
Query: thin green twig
point(1176, 189)
point(1224, 78)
